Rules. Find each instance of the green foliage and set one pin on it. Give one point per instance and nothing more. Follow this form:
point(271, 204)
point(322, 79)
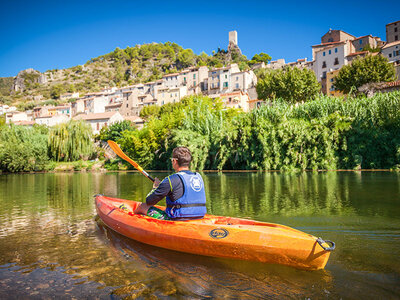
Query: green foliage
point(290, 84)
point(70, 141)
point(364, 70)
point(150, 111)
point(6, 84)
point(56, 91)
point(324, 133)
point(114, 131)
point(22, 149)
point(262, 57)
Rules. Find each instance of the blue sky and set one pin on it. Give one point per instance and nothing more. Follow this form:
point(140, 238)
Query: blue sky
point(59, 34)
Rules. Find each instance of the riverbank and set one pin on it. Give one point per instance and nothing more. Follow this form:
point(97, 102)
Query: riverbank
point(120, 166)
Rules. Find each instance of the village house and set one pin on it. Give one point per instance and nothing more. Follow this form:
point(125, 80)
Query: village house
point(330, 84)
point(77, 107)
point(99, 120)
point(16, 116)
point(392, 51)
point(60, 110)
point(51, 120)
point(67, 96)
point(393, 32)
point(139, 122)
point(219, 79)
point(193, 79)
point(171, 95)
point(238, 99)
point(5, 109)
point(113, 107)
point(243, 80)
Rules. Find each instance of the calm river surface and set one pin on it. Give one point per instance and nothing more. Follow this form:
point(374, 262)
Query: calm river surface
point(52, 246)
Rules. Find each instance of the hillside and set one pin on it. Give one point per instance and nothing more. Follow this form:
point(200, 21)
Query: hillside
point(121, 67)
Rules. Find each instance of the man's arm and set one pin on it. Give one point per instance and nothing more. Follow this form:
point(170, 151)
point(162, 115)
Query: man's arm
point(157, 194)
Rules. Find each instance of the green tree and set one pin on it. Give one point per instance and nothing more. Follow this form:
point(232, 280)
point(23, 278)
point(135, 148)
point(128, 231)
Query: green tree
point(290, 84)
point(150, 111)
point(369, 69)
point(22, 149)
point(262, 57)
point(70, 141)
point(114, 131)
point(186, 58)
point(56, 91)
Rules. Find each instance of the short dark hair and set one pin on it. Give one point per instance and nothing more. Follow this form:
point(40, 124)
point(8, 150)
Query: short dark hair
point(183, 156)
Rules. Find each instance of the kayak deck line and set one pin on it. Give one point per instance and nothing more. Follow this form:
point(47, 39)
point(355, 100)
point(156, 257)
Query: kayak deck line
point(218, 236)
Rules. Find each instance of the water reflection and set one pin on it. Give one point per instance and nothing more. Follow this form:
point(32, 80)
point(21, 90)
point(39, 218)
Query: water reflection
point(48, 232)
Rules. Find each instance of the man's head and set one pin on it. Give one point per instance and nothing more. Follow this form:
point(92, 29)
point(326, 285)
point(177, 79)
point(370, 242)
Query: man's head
point(182, 157)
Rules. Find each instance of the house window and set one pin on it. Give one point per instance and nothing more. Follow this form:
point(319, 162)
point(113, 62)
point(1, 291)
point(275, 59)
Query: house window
point(237, 78)
point(194, 83)
point(336, 61)
point(323, 74)
point(323, 54)
point(330, 51)
point(335, 50)
point(127, 105)
point(360, 42)
point(324, 64)
point(194, 76)
point(395, 29)
point(184, 79)
point(396, 37)
point(98, 126)
point(237, 85)
point(226, 76)
point(390, 54)
point(230, 100)
point(212, 85)
point(225, 84)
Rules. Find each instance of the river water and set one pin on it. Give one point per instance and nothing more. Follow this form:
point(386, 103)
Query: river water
point(53, 246)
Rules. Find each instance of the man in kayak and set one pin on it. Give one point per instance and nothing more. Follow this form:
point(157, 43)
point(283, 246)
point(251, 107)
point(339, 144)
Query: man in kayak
point(184, 192)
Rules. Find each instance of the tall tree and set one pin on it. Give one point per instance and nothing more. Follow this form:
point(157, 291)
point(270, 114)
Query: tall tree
point(364, 70)
point(290, 84)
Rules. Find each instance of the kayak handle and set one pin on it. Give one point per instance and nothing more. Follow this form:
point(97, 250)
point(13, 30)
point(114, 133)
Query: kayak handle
point(321, 241)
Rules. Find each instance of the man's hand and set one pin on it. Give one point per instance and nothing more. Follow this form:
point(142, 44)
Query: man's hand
point(156, 183)
point(142, 209)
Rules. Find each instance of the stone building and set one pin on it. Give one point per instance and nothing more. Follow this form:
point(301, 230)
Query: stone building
point(393, 32)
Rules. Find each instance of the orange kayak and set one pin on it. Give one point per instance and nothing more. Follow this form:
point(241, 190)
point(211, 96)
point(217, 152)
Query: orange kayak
point(218, 236)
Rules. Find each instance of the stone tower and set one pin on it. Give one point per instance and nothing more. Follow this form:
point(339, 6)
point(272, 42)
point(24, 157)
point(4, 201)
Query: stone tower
point(233, 43)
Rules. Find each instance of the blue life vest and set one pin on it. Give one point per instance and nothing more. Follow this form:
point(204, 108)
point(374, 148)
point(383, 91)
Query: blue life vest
point(192, 204)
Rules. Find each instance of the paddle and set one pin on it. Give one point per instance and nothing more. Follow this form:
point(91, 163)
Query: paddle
point(114, 146)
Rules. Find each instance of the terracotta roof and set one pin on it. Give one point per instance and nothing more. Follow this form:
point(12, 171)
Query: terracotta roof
point(233, 93)
point(170, 75)
point(44, 117)
point(391, 44)
point(357, 53)
point(389, 85)
point(392, 23)
point(26, 123)
point(96, 116)
point(114, 105)
point(330, 43)
point(361, 37)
